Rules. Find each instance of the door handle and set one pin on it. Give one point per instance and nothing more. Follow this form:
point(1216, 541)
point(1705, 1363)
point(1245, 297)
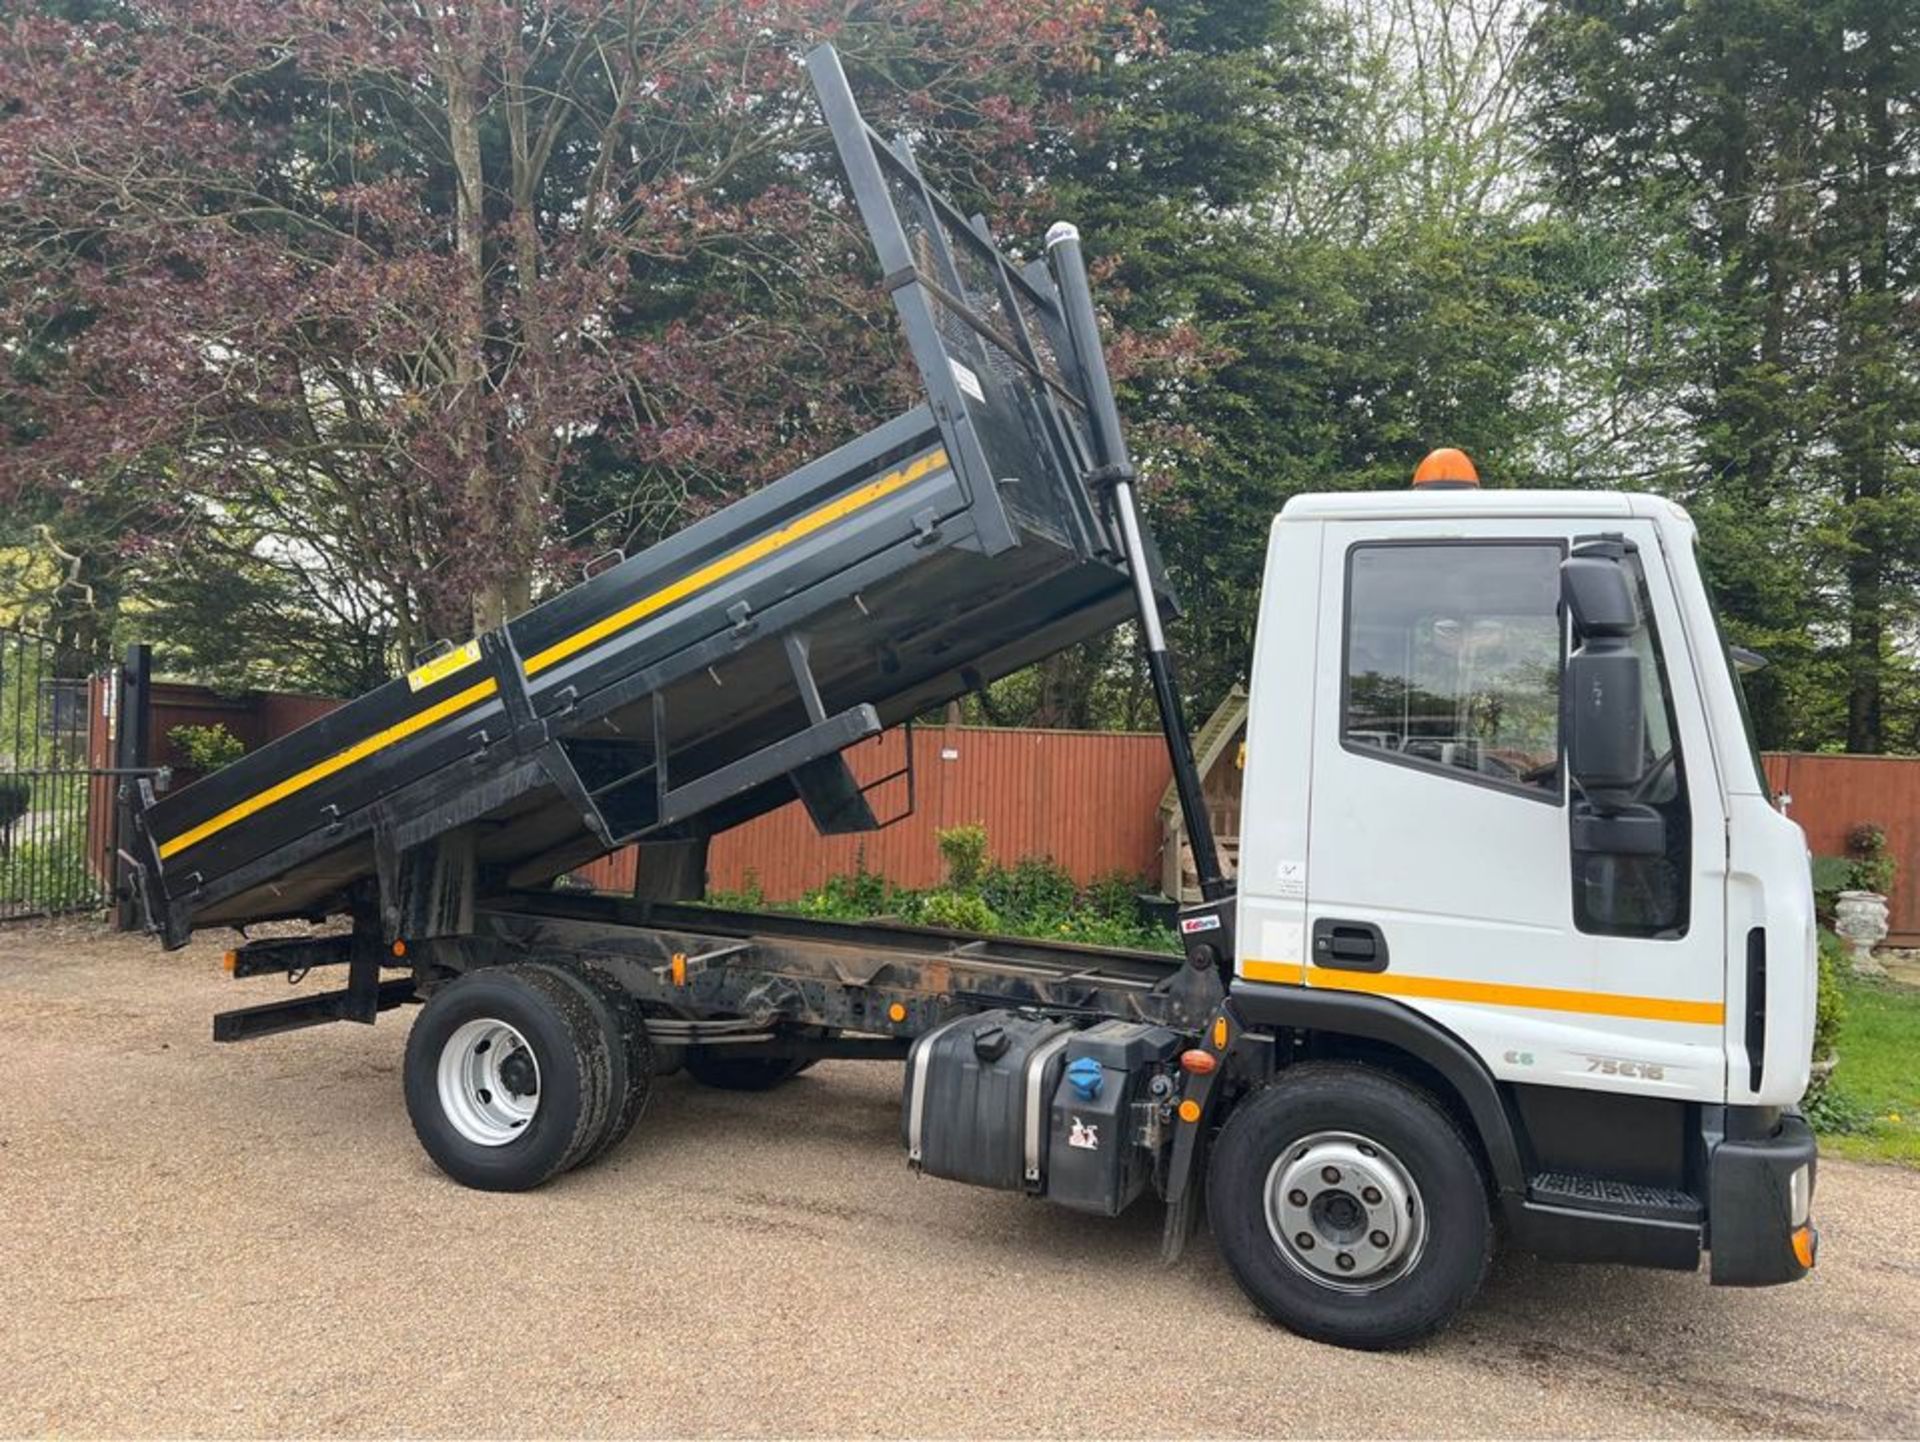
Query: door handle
point(1349, 945)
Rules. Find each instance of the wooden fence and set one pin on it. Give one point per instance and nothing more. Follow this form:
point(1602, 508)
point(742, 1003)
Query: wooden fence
point(1087, 799)
point(1830, 795)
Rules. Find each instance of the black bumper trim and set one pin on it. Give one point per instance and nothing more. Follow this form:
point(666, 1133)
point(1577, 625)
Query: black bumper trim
point(1750, 1204)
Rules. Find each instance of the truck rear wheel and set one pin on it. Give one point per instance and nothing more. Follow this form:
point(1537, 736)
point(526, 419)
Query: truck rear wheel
point(508, 1077)
point(1349, 1207)
point(629, 1050)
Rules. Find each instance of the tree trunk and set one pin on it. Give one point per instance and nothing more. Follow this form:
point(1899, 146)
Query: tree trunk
point(1869, 558)
point(492, 592)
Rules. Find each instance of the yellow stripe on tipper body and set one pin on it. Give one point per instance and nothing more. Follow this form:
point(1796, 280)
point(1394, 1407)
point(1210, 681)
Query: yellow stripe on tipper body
point(339, 761)
point(457, 660)
point(736, 560)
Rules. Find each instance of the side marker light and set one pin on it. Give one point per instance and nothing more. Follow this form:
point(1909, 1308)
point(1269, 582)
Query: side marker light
point(1806, 1245)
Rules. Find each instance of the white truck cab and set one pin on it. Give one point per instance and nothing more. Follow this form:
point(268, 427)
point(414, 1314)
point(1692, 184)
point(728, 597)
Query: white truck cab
point(1505, 831)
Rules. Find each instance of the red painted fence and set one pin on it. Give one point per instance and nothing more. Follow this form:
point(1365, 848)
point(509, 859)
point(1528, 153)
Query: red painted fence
point(1088, 799)
point(1830, 795)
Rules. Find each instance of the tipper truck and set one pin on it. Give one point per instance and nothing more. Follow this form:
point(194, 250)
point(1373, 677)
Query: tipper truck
point(1518, 944)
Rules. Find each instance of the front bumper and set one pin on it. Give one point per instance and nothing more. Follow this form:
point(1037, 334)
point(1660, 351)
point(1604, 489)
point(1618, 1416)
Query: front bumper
point(1759, 1217)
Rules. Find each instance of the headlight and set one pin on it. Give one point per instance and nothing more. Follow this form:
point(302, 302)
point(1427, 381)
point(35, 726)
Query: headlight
point(1800, 1194)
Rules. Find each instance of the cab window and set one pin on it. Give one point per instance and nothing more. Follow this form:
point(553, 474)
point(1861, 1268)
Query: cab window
point(1453, 659)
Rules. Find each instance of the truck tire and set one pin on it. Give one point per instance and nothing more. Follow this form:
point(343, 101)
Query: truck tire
point(628, 1047)
point(711, 1066)
point(508, 1077)
point(1349, 1207)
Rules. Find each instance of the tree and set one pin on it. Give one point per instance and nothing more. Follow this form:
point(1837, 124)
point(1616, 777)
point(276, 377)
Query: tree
point(1750, 168)
point(1319, 262)
point(402, 309)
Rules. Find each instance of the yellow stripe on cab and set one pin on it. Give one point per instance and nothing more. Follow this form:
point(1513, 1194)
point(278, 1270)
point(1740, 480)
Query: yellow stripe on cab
point(1489, 993)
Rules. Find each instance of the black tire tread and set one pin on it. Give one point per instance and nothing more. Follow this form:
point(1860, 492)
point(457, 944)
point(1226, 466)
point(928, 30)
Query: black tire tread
point(630, 1052)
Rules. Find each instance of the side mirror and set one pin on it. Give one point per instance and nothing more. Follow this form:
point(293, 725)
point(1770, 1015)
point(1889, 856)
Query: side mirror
point(1606, 727)
point(1600, 595)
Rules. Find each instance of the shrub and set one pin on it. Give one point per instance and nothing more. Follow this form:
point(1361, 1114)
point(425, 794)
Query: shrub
point(964, 849)
point(50, 875)
point(1831, 876)
point(957, 911)
point(1033, 897)
point(1035, 891)
point(1114, 897)
point(1871, 863)
point(207, 748)
point(1829, 1009)
point(750, 897)
point(1832, 1113)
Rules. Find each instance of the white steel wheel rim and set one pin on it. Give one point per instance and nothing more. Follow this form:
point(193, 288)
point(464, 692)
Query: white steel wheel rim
point(1345, 1212)
point(484, 1074)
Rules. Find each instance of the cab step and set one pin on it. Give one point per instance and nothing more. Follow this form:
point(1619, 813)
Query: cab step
point(1621, 1199)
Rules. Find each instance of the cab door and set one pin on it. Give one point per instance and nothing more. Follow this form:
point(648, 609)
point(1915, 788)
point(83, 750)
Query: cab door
point(1441, 871)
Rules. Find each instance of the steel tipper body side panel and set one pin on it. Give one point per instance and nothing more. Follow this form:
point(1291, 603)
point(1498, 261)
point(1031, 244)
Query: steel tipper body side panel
point(708, 679)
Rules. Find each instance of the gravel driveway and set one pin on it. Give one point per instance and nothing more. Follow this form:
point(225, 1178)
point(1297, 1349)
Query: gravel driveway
point(247, 1240)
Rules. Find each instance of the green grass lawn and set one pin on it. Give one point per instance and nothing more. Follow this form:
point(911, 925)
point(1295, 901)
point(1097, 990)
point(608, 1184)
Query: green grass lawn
point(1872, 1108)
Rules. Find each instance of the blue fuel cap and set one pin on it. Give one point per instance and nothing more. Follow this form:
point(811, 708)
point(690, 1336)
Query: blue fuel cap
point(1087, 1077)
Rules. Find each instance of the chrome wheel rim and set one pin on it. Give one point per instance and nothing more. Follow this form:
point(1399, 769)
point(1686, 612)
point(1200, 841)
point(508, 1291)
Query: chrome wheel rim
point(1345, 1212)
point(489, 1082)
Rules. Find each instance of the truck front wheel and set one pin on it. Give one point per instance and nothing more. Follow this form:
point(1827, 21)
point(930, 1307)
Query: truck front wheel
point(1349, 1207)
point(509, 1077)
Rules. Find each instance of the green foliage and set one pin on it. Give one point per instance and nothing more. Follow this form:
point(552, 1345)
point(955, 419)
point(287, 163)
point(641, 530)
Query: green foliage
point(1832, 1112)
point(1114, 896)
point(1870, 860)
point(964, 850)
point(207, 748)
point(1748, 341)
point(1868, 866)
point(958, 911)
point(750, 897)
point(1831, 876)
point(49, 874)
point(1830, 1002)
point(1034, 893)
point(859, 896)
point(1033, 897)
point(1871, 1108)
